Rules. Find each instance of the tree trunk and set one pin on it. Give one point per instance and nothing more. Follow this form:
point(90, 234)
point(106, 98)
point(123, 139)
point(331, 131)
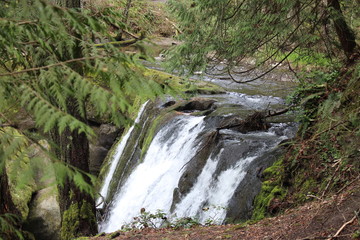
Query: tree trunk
point(345, 34)
point(7, 206)
point(6, 203)
point(77, 207)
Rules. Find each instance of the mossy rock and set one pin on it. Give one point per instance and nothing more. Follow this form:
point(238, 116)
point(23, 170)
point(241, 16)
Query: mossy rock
point(271, 189)
point(73, 217)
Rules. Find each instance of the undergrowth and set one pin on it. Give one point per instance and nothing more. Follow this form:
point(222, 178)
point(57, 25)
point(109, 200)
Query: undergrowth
point(324, 157)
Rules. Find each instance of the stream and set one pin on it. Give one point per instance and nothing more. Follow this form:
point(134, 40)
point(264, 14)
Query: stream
point(189, 168)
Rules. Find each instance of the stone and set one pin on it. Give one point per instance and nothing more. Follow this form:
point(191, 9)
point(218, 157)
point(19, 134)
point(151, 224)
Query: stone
point(97, 155)
point(196, 105)
point(44, 217)
point(107, 135)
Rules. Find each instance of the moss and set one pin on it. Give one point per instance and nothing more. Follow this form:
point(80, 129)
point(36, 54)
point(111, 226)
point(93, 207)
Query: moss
point(305, 187)
point(73, 217)
point(270, 189)
point(114, 235)
point(70, 222)
point(23, 185)
point(161, 118)
point(86, 212)
point(177, 85)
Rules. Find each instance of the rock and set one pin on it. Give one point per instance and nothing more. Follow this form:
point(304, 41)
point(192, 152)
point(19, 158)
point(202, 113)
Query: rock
point(97, 155)
point(241, 203)
point(107, 135)
point(194, 167)
point(23, 120)
point(254, 122)
point(168, 104)
point(44, 217)
point(196, 105)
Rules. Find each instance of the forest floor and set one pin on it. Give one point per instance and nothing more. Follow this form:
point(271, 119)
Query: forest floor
point(333, 218)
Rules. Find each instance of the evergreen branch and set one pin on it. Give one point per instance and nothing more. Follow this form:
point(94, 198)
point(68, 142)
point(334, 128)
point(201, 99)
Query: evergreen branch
point(235, 12)
point(265, 73)
point(50, 66)
point(20, 22)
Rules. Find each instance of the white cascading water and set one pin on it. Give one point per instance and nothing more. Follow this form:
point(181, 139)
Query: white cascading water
point(214, 192)
point(209, 197)
point(115, 159)
point(151, 184)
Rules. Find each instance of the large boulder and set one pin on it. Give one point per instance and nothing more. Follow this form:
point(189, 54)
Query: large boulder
point(44, 216)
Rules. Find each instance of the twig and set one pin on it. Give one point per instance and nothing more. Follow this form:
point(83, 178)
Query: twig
point(174, 25)
point(102, 200)
point(332, 177)
point(313, 196)
point(342, 227)
point(320, 237)
point(346, 185)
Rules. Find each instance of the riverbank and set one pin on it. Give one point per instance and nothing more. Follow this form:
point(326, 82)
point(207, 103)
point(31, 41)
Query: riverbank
point(330, 218)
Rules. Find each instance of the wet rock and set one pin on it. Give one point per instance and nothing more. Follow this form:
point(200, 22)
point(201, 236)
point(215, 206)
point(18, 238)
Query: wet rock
point(194, 167)
point(107, 135)
point(168, 104)
point(44, 216)
point(196, 105)
point(97, 155)
point(241, 203)
point(253, 122)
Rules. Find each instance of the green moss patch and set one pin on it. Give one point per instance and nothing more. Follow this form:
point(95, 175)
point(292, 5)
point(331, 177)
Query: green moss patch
point(271, 189)
point(73, 217)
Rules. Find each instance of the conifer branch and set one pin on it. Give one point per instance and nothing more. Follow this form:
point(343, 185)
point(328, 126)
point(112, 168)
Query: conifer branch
point(20, 22)
point(50, 66)
point(265, 73)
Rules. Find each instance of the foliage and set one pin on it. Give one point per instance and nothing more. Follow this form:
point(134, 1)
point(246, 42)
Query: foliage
point(312, 89)
point(51, 68)
point(37, 74)
point(324, 157)
point(147, 220)
point(8, 226)
point(232, 31)
point(159, 219)
point(144, 17)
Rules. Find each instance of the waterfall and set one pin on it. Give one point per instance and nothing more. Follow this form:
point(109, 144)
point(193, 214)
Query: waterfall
point(151, 184)
point(191, 170)
point(209, 197)
point(116, 157)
